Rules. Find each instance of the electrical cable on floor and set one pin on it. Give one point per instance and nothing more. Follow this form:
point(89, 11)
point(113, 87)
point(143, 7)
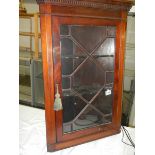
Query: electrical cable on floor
point(128, 136)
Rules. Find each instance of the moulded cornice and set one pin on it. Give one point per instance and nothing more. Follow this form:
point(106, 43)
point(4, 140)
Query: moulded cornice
point(88, 3)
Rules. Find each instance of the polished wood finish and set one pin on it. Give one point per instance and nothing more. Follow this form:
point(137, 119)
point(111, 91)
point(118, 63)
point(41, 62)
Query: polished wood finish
point(47, 57)
point(53, 13)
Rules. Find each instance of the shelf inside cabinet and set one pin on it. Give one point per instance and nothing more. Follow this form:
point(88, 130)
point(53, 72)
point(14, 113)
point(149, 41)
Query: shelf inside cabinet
point(86, 89)
point(78, 57)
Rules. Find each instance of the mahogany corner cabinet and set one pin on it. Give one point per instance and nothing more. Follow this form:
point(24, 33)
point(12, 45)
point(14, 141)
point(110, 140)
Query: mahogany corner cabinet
point(83, 43)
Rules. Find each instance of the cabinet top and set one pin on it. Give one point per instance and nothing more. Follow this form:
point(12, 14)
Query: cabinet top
point(103, 4)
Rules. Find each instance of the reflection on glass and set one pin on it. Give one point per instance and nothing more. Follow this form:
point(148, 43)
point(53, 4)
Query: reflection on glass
point(87, 57)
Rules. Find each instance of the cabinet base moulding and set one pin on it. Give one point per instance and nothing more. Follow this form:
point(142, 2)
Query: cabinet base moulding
point(82, 140)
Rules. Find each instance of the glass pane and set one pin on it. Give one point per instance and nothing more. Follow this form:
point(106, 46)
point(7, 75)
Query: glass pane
point(87, 57)
point(25, 81)
point(31, 90)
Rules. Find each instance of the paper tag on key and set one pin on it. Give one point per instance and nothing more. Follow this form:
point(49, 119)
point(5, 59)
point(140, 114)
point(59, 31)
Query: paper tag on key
point(107, 92)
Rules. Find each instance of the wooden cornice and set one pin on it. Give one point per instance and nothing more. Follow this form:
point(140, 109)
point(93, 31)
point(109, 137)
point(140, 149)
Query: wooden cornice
point(102, 4)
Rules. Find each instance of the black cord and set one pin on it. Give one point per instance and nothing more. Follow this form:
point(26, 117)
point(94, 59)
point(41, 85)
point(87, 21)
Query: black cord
point(123, 137)
point(128, 136)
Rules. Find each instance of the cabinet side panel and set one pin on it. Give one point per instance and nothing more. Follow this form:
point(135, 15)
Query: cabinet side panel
point(119, 64)
point(46, 39)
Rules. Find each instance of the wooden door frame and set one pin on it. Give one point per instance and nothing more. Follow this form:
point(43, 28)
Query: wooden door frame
point(115, 125)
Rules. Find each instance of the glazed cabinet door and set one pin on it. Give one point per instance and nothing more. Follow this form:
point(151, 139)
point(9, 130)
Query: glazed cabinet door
point(85, 55)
